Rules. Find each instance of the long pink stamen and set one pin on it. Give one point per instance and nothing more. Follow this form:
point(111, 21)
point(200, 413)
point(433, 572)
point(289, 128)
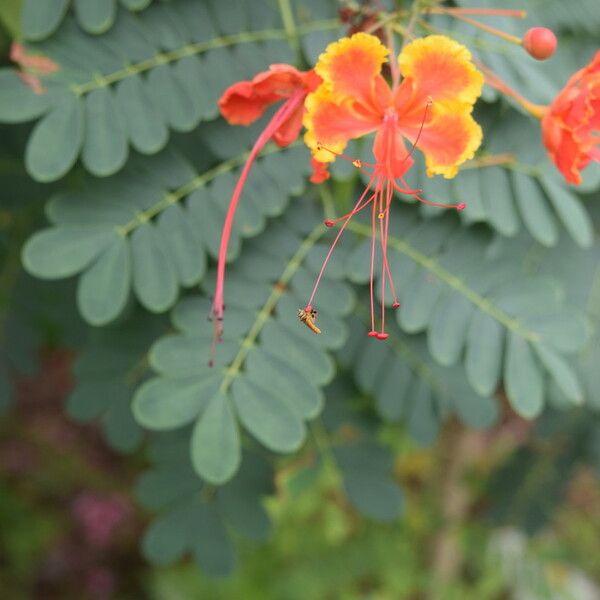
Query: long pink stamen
point(276, 121)
point(390, 193)
point(373, 332)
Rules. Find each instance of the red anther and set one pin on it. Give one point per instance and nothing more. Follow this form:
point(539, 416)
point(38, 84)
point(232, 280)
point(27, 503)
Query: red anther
point(308, 308)
point(382, 336)
point(328, 223)
point(461, 206)
point(396, 305)
point(211, 363)
point(372, 334)
point(539, 42)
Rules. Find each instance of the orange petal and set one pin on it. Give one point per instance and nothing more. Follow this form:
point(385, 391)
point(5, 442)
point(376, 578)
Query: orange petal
point(289, 130)
point(391, 155)
point(449, 139)
point(320, 172)
point(245, 101)
point(331, 125)
point(350, 66)
point(441, 68)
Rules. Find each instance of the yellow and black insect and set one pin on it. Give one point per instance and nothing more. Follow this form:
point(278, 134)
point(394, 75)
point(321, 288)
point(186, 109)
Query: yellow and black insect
point(308, 316)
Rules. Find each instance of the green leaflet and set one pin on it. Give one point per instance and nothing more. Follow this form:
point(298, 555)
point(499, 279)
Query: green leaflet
point(215, 444)
point(366, 470)
point(95, 16)
point(105, 148)
point(41, 20)
point(103, 289)
point(62, 129)
point(17, 102)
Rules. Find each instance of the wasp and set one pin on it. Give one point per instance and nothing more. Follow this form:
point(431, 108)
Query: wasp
point(308, 316)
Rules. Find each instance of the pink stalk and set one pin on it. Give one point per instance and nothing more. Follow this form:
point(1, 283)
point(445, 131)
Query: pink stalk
point(283, 113)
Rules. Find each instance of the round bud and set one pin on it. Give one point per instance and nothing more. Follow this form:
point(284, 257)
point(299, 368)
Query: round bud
point(539, 42)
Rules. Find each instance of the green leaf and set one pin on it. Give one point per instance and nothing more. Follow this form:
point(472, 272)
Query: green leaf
point(215, 445)
point(418, 301)
point(39, 20)
point(162, 404)
point(423, 422)
point(60, 252)
point(298, 391)
point(168, 537)
point(154, 281)
point(18, 102)
point(373, 496)
point(268, 417)
point(561, 372)
point(448, 327)
point(121, 431)
point(483, 362)
point(534, 210)
point(61, 130)
point(167, 484)
point(212, 547)
point(240, 500)
point(103, 289)
point(498, 203)
point(391, 396)
point(105, 149)
point(172, 99)
point(96, 16)
point(144, 123)
point(570, 211)
point(183, 245)
point(136, 5)
point(479, 412)
point(523, 378)
point(91, 398)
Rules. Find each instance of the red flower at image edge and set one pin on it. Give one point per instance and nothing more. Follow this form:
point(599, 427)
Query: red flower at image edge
point(571, 124)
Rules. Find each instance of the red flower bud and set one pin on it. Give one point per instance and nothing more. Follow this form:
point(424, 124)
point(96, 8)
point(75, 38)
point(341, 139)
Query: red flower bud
point(539, 42)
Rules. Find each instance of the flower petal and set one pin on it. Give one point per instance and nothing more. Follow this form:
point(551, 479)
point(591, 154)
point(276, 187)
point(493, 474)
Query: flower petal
point(289, 130)
point(320, 172)
point(441, 68)
point(571, 124)
point(447, 140)
point(331, 124)
point(245, 101)
point(393, 160)
point(350, 66)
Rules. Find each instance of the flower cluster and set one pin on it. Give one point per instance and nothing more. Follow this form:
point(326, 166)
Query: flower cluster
point(422, 100)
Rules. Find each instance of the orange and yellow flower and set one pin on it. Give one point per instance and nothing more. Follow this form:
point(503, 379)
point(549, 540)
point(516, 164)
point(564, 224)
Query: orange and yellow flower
point(354, 99)
point(430, 108)
point(571, 124)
